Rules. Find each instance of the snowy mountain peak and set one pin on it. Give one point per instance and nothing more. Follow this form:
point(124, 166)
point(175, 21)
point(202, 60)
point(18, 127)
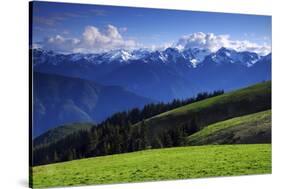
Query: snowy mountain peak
point(192, 57)
point(118, 55)
point(195, 55)
point(230, 56)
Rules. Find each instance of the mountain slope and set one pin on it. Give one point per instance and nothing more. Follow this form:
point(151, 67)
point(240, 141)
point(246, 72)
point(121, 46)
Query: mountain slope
point(156, 81)
point(253, 128)
point(59, 132)
point(61, 100)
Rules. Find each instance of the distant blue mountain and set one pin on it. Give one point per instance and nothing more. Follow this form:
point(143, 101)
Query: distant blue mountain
point(59, 100)
point(161, 75)
point(227, 69)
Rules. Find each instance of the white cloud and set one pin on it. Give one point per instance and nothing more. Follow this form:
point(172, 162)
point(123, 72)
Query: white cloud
point(214, 42)
point(91, 40)
point(95, 40)
point(59, 43)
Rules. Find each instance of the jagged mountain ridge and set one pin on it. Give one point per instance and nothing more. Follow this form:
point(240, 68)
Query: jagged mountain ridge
point(190, 56)
point(161, 75)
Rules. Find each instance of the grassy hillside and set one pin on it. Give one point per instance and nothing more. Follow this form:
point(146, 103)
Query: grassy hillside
point(148, 165)
point(237, 103)
point(253, 128)
point(60, 132)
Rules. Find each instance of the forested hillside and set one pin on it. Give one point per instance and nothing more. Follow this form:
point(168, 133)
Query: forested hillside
point(121, 133)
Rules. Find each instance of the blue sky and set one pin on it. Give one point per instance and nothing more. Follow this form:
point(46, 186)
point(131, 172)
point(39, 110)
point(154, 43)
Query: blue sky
point(143, 26)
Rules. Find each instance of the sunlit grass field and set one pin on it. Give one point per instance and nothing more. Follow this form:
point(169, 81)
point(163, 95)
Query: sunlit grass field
point(159, 164)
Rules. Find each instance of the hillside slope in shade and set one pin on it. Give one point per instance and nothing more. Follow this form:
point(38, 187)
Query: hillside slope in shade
point(60, 132)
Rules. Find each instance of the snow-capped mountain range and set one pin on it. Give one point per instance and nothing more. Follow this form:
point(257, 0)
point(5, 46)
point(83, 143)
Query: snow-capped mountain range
point(161, 74)
point(192, 58)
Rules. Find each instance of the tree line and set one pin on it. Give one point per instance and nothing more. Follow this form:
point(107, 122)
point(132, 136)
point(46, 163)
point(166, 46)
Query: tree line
point(136, 115)
point(123, 132)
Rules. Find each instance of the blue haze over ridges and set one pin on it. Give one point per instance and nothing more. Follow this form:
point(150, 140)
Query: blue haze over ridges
point(60, 100)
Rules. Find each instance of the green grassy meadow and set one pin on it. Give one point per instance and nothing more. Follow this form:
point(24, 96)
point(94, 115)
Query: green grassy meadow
point(158, 164)
point(253, 128)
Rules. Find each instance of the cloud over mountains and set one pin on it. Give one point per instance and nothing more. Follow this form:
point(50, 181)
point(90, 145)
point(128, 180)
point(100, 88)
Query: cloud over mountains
point(91, 40)
point(214, 42)
point(94, 40)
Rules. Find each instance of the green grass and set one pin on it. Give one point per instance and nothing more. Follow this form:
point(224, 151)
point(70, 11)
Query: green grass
point(160, 164)
point(253, 128)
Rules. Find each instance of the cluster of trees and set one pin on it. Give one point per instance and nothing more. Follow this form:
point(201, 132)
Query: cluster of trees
point(111, 139)
point(122, 132)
